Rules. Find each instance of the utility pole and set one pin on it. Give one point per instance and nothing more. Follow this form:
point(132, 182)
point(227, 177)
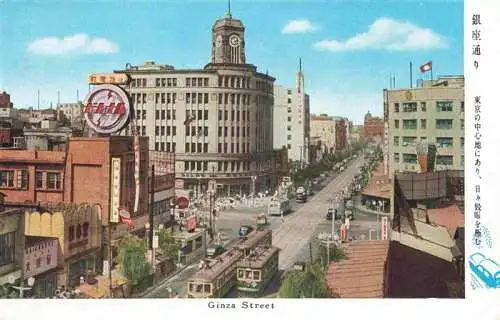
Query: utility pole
point(211, 195)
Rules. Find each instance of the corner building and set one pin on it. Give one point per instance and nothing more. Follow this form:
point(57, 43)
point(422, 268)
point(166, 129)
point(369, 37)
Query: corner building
point(431, 114)
point(218, 120)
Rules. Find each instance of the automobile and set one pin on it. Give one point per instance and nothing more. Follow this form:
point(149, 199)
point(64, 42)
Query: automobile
point(348, 214)
point(245, 230)
point(215, 251)
point(330, 213)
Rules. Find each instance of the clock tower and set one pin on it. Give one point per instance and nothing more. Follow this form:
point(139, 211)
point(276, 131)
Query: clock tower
point(228, 42)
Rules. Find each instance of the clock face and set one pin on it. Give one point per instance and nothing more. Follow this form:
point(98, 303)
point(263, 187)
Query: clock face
point(234, 40)
point(218, 41)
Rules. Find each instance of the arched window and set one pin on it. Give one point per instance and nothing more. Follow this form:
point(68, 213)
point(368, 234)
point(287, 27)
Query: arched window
point(78, 231)
point(85, 229)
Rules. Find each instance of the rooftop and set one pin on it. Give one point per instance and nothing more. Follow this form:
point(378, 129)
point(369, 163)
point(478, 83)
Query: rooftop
point(449, 217)
point(259, 258)
point(253, 238)
point(217, 266)
point(379, 185)
point(362, 274)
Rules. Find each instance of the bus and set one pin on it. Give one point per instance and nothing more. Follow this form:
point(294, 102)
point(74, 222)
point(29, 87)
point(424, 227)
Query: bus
point(255, 272)
point(216, 277)
point(279, 206)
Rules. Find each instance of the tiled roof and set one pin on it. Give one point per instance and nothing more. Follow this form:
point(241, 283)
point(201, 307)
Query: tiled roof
point(379, 185)
point(362, 274)
point(449, 217)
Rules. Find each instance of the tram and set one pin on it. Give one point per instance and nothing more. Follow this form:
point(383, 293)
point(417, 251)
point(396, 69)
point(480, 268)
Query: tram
point(256, 271)
point(215, 278)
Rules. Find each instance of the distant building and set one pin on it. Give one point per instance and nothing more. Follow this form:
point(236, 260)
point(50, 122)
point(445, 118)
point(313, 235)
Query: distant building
point(341, 133)
point(70, 112)
point(373, 127)
point(49, 137)
point(323, 128)
point(291, 120)
point(5, 100)
point(35, 116)
point(430, 115)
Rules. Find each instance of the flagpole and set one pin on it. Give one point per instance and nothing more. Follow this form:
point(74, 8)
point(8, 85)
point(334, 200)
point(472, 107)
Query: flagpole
point(411, 75)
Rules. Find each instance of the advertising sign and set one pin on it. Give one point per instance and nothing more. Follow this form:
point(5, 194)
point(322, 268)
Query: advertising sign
point(114, 212)
point(385, 223)
point(106, 109)
point(108, 78)
point(182, 202)
point(190, 223)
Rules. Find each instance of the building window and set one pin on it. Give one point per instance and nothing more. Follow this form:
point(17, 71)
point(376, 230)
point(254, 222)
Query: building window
point(7, 248)
point(423, 123)
point(462, 161)
point(444, 106)
point(444, 124)
point(396, 107)
point(396, 141)
point(410, 124)
point(410, 107)
point(289, 100)
point(39, 180)
point(289, 119)
point(409, 141)
point(289, 137)
point(423, 106)
point(289, 109)
point(71, 233)
point(396, 124)
point(462, 124)
point(396, 158)
point(7, 179)
point(53, 180)
point(409, 158)
point(289, 146)
point(462, 106)
point(462, 142)
point(444, 160)
point(444, 142)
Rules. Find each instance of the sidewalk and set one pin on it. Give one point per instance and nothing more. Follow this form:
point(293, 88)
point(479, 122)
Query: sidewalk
point(160, 283)
point(364, 209)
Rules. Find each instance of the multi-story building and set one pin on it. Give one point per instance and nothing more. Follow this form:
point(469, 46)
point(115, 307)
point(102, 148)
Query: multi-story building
point(291, 120)
point(341, 133)
point(373, 126)
point(323, 129)
point(70, 112)
point(218, 120)
point(432, 114)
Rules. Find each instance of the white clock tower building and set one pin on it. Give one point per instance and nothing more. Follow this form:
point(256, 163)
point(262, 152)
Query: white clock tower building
point(228, 41)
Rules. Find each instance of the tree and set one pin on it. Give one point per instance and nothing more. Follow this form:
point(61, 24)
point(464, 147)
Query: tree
point(132, 258)
point(336, 254)
point(168, 245)
point(310, 283)
point(7, 293)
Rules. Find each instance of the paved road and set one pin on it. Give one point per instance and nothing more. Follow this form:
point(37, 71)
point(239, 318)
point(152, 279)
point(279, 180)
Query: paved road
point(229, 221)
point(293, 235)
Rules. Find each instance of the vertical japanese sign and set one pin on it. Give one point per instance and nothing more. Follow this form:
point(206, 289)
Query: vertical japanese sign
point(114, 210)
point(385, 227)
point(482, 151)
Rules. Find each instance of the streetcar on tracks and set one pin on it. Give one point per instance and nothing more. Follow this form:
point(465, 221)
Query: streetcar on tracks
point(215, 277)
point(256, 271)
point(256, 238)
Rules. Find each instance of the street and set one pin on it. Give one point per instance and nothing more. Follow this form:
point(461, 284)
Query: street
point(292, 235)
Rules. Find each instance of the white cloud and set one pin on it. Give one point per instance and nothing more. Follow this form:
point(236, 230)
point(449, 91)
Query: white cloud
point(299, 26)
point(79, 43)
point(388, 34)
point(353, 105)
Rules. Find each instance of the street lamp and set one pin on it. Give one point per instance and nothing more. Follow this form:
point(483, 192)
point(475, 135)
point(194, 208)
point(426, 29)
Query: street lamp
point(21, 289)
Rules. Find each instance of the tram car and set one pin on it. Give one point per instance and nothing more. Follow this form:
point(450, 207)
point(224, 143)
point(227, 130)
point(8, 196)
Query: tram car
point(254, 239)
point(215, 277)
point(256, 271)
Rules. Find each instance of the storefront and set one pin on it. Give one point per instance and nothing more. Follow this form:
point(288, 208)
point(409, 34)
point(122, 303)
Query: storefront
point(86, 267)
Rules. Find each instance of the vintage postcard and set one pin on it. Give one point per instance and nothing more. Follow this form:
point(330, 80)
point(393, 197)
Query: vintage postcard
point(246, 149)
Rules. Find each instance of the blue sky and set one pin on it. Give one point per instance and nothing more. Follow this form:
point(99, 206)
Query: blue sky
point(348, 48)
